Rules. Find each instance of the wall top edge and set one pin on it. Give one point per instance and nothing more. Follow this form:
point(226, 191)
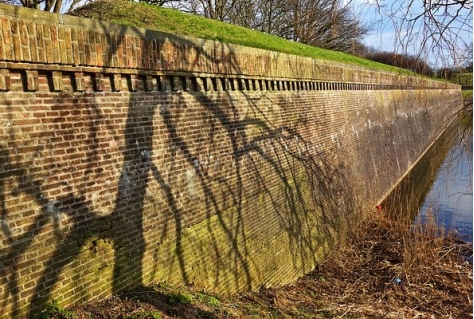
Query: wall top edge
point(282, 64)
point(50, 18)
point(69, 21)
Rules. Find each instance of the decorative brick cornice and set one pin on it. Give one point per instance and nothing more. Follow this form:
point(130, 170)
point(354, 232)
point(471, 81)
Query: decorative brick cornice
point(32, 39)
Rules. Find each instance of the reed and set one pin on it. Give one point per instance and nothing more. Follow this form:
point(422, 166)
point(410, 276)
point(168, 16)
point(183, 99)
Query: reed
point(407, 269)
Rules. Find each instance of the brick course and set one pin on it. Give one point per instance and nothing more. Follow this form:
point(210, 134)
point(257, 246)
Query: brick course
point(131, 157)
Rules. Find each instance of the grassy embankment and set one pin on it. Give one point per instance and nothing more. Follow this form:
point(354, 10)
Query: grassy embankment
point(180, 23)
point(464, 79)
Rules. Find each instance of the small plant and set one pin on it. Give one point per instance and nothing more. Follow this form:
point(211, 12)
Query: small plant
point(145, 315)
point(212, 301)
point(183, 299)
point(54, 310)
point(162, 285)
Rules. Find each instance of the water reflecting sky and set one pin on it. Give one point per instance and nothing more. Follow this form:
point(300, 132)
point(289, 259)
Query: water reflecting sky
point(450, 196)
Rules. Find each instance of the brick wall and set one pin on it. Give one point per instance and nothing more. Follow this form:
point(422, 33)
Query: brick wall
point(130, 157)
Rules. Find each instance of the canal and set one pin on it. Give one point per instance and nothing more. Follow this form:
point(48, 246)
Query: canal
point(440, 185)
point(449, 197)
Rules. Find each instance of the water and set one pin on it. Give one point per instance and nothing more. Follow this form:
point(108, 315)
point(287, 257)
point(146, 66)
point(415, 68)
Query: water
point(450, 196)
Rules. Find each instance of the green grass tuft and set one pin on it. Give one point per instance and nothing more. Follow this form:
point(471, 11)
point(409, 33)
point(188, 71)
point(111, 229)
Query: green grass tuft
point(181, 298)
point(467, 93)
point(54, 310)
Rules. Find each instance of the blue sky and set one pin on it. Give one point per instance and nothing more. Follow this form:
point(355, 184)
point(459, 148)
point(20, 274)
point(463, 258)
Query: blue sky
point(385, 17)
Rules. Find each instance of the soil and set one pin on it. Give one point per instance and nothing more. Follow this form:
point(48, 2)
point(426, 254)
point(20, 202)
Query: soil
point(382, 273)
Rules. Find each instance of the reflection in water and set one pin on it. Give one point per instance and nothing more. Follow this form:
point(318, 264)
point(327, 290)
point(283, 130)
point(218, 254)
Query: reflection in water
point(440, 182)
point(450, 196)
point(404, 201)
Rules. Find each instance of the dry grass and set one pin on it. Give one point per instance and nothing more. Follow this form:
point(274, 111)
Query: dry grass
point(393, 270)
point(388, 269)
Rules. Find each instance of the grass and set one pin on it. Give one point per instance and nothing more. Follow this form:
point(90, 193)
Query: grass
point(176, 22)
point(464, 79)
point(467, 93)
point(181, 298)
point(54, 310)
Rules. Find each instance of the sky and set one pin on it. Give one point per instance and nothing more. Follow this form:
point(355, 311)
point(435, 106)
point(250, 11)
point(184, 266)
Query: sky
point(385, 17)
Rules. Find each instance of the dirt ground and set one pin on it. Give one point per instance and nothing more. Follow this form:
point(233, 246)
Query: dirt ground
point(385, 272)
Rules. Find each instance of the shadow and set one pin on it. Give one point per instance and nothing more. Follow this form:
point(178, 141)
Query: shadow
point(214, 177)
point(405, 200)
point(308, 192)
point(175, 305)
point(123, 226)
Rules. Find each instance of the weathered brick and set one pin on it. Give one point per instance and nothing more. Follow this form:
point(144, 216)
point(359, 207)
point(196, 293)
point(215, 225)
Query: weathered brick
point(106, 186)
point(5, 81)
point(7, 43)
point(54, 32)
point(16, 40)
point(32, 82)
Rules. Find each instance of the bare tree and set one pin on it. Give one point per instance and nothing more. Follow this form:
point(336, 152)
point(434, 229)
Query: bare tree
point(56, 6)
point(436, 28)
point(244, 13)
point(338, 29)
point(213, 9)
point(408, 62)
point(322, 23)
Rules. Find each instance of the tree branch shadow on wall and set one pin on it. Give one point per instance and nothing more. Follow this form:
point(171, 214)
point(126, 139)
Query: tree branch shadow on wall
point(326, 182)
point(297, 172)
point(124, 225)
point(86, 224)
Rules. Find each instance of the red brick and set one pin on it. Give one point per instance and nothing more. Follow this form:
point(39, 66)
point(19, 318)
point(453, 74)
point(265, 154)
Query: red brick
point(112, 164)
